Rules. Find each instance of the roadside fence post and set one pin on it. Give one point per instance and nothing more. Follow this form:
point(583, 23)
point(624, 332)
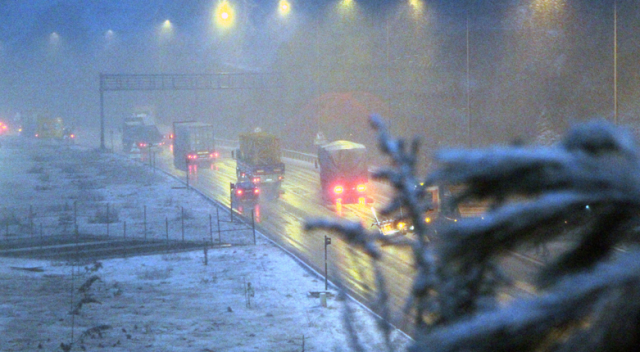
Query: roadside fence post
point(253, 225)
point(31, 219)
point(124, 230)
point(107, 219)
point(75, 213)
point(250, 292)
point(205, 253)
point(218, 217)
point(41, 239)
point(166, 230)
point(145, 222)
point(210, 230)
point(77, 233)
point(231, 203)
point(182, 222)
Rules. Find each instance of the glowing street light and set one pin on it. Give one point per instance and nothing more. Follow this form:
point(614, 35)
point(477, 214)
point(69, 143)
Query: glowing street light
point(224, 15)
point(55, 44)
point(166, 28)
point(166, 32)
point(346, 7)
point(347, 4)
point(54, 38)
point(417, 6)
point(109, 36)
point(284, 8)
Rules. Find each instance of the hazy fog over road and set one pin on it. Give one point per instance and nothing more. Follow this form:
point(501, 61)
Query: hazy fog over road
point(457, 73)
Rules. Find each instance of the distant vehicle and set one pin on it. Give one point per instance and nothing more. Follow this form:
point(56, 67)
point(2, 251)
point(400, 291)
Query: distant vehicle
point(442, 208)
point(259, 159)
point(49, 128)
point(344, 173)
point(135, 153)
point(68, 136)
point(138, 132)
point(390, 227)
point(193, 142)
point(244, 191)
point(3, 128)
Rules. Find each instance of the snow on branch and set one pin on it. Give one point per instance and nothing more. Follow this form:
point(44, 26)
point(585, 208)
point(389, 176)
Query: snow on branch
point(583, 191)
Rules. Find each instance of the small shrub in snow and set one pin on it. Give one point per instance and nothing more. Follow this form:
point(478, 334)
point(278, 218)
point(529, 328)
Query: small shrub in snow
point(101, 216)
point(155, 274)
point(37, 169)
point(187, 214)
point(9, 217)
point(169, 202)
point(44, 177)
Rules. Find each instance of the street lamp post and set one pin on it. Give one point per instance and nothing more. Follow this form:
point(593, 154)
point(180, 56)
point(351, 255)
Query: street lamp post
point(469, 142)
point(615, 62)
point(327, 241)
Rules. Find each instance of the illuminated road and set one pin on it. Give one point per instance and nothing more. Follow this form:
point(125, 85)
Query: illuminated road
point(282, 220)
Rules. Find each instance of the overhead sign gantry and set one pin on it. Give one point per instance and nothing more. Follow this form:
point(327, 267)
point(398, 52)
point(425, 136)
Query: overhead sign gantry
point(154, 82)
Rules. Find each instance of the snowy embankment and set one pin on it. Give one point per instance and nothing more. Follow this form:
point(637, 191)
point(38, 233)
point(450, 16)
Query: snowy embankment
point(245, 298)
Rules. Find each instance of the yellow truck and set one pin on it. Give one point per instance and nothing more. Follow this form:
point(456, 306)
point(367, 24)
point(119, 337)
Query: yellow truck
point(49, 127)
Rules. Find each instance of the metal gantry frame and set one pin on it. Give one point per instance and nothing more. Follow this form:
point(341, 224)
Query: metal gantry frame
point(203, 81)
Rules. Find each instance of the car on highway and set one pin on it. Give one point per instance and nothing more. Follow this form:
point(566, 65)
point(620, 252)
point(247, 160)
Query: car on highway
point(244, 191)
point(390, 227)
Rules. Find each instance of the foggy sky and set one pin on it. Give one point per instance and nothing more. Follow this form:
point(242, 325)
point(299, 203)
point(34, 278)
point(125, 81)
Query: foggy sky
point(527, 64)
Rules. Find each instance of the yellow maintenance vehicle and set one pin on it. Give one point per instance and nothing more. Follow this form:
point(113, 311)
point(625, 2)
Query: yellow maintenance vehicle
point(259, 160)
point(49, 127)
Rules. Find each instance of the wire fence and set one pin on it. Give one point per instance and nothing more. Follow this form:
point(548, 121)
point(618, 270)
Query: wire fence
point(127, 221)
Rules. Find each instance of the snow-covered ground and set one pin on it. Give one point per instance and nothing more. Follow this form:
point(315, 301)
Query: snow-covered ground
point(168, 302)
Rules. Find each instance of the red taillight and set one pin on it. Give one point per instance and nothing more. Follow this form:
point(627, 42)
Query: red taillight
point(215, 155)
point(239, 192)
point(256, 191)
point(338, 189)
point(361, 188)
